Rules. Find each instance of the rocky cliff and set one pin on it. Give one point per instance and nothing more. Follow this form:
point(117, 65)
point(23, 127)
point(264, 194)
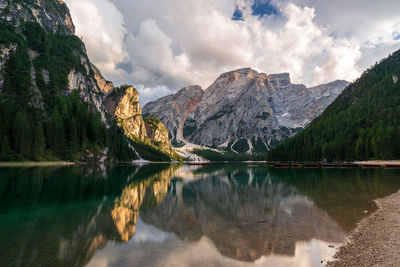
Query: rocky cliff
point(158, 135)
point(123, 103)
point(173, 110)
point(243, 110)
point(52, 15)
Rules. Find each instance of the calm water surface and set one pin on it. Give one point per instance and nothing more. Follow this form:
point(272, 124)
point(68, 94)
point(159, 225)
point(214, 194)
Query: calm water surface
point(177, 215)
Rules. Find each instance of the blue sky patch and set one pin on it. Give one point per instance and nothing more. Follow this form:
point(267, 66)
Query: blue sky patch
point(238, 15)
point(259, 8)
point(397, 36)
point(264, 7)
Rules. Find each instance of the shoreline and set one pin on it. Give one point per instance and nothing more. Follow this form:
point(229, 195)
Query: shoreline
point(36, 164)
point(375, 241)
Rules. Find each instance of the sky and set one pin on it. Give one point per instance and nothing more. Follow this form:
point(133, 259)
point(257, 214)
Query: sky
point(160, 46)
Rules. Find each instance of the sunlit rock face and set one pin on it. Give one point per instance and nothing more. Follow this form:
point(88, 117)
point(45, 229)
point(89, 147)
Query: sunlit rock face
point(243, 110)
point(124, 105)
point(251, 217)
point(158, 135)
point(104, 86)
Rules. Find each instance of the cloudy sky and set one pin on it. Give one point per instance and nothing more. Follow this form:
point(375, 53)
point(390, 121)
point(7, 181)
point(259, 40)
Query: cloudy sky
point(162, 45)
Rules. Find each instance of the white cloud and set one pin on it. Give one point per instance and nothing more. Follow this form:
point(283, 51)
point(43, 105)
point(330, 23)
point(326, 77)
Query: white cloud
point(102, 28)
point(165, 45)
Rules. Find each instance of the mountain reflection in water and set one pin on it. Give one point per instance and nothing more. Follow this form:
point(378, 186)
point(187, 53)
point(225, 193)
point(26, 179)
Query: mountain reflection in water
point(174, 215)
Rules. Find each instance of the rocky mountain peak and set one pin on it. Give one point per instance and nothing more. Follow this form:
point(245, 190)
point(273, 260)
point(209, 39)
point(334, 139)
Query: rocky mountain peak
point(279, 80)
point(190, 91)
point(243, 110)
point(238, 78)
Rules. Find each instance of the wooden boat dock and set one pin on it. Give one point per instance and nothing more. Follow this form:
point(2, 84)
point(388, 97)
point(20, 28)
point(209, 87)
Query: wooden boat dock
point(281, 165)
point(348, 165)
point(201, 163)
point(330, 165)
point(312, 165)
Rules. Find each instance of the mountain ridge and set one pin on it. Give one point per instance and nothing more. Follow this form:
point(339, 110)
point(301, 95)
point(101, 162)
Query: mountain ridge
point(242, 106)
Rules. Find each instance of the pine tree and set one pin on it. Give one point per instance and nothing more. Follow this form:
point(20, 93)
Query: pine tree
point(55, 132)
point(39, 142)
point(21, 134)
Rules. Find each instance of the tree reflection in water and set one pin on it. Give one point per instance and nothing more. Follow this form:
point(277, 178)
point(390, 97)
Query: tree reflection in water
point(63, 216)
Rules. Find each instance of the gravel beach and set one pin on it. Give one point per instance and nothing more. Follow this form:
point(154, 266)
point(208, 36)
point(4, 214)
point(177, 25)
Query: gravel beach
point(376, 240)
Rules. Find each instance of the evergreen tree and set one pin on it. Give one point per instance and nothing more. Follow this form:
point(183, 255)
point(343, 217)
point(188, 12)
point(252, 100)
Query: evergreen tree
point(21, 134)
point(39, 142)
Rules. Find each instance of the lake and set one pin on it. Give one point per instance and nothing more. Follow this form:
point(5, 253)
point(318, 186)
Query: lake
point(180, 215)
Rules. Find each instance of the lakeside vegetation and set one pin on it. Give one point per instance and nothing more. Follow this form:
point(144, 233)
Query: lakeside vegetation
point(227, 155)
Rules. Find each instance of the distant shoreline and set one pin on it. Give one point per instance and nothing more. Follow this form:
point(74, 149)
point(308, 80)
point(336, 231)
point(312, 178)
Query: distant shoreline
point(36, 164)
point(379, 162)
point(375, 242)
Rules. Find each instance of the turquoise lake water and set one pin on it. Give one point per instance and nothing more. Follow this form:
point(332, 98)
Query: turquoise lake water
point(180, 215)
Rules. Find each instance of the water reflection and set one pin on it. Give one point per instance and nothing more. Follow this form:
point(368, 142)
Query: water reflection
point(245, 213)
point(181, 215)
point(150, 192)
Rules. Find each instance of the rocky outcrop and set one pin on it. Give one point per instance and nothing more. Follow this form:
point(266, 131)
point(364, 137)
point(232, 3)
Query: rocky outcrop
point(243, 110)
point(123, 104)
point(104, 86)
point(52, 15)
point(158, 135)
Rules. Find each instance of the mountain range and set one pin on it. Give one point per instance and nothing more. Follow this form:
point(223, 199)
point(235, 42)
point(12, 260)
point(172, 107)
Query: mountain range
point(242, 111)
point(55, 104)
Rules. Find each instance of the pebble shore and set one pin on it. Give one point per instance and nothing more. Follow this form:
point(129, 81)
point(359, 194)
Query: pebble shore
point(376, 240)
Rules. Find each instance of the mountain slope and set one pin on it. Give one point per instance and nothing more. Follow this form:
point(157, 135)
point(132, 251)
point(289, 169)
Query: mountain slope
point(51, 96)
point(362, 123)
point(242, 111)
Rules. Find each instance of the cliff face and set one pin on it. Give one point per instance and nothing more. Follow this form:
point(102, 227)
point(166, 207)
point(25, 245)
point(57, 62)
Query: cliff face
point(173, 110)
point(124, 105)
point(158, 135)
point(243, 110)
point(52, 15)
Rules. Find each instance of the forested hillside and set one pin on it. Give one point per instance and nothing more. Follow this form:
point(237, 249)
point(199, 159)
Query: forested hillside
point(40, 118)
point(362, 123)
